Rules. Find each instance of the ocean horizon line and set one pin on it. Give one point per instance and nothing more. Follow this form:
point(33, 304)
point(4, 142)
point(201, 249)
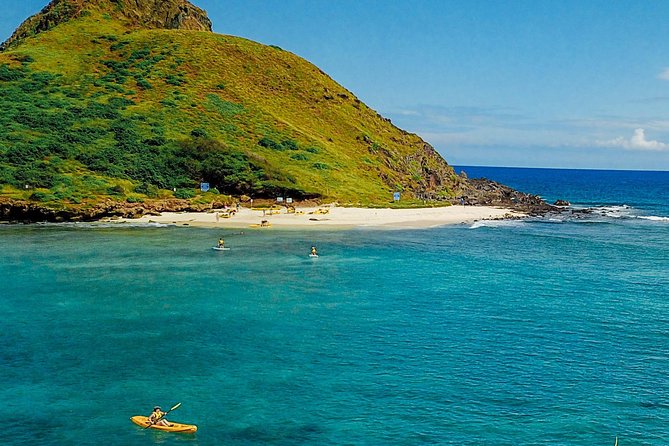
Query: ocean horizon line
point(586, 169)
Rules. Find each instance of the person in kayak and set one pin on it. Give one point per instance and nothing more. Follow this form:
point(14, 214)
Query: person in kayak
point(156, 417)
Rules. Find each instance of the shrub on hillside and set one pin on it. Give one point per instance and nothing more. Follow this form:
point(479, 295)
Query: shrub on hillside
point(37, 174)
point(24, 58)
point(175, 79)
point(143, 83)
point(117, 46)
point(225, 108)
point(116, 190)
point(198, 133)
point(184, 194)
point(42, 196)
point(269, 143)
point(290, 144)
point(139, 54)
point(299, 157)
point(11, 74)
point(38, 81)
point(6, 175)
point(286, 144)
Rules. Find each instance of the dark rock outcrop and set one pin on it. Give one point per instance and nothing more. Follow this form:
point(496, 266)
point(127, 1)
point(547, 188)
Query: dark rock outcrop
point(484, 192)
point(153, 14)
point(165, 14)
point(21, 211)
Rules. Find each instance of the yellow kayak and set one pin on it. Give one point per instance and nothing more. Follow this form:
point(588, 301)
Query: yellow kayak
point(173, 427)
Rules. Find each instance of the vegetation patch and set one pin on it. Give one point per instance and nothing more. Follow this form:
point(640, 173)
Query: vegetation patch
point(223, 107)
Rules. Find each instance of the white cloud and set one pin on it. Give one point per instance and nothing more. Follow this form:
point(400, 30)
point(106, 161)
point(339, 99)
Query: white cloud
point(407, 112)
point(664, 75)
point(638, 141)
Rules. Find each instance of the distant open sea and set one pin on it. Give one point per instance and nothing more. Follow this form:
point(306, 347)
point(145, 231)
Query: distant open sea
point(551, 331)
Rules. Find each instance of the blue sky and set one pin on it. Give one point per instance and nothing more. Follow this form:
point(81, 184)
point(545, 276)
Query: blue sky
point(537, 83)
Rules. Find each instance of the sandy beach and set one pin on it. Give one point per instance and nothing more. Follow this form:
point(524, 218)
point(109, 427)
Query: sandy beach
point(330, 216)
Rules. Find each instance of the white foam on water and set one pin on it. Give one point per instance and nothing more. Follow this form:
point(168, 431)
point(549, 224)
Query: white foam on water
point(107, 225)
point(653, 218)
point(622, 211)
point(496, 224)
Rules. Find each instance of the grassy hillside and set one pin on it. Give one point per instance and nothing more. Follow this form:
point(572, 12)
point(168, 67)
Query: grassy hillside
point(94, 108)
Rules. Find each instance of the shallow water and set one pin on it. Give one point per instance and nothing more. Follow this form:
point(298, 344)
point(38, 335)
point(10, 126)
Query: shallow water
point(505, 333)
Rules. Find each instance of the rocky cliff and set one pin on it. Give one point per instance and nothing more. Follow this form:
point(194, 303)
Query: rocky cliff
point(153, 14)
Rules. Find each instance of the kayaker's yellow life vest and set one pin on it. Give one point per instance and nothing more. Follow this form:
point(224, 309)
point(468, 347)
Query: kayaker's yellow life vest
point(155, 416)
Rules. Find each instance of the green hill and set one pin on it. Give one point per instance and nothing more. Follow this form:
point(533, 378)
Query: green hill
point(137, 100)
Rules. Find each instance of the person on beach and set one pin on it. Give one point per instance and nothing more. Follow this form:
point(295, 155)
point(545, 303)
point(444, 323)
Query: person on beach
point(156, 417)
point(221, 243)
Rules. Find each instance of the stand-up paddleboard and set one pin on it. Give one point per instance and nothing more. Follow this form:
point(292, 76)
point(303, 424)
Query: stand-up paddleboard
point(313, 256)
point(216, 248)
point(173, 427)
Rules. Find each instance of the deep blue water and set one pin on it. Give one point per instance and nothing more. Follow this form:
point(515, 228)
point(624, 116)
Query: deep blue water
point(646, 190)
point(507, 333)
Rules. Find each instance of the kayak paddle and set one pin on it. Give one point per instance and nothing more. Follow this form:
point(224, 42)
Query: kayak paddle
point(176, 406)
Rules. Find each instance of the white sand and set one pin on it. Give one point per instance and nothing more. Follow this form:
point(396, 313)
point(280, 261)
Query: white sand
point(340, 217)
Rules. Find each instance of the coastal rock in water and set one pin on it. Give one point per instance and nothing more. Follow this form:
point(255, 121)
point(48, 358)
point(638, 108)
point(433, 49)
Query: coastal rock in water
point(562, 203)
point(484, 192)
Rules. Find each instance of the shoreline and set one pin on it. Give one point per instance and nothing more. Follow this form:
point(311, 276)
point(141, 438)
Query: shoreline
point(329, 216)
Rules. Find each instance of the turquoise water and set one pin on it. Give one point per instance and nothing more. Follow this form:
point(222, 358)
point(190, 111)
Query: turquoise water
point(506, 333)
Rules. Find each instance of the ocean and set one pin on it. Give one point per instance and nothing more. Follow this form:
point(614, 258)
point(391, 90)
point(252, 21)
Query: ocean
point(548, 331)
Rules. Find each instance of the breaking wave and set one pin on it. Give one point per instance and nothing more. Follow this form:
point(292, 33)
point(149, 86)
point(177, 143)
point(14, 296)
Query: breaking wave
point(497, 224)
point(606, 214)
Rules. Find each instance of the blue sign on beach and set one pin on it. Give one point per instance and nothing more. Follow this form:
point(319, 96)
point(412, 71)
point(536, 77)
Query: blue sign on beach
point(396, 196)
point(204, 187)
